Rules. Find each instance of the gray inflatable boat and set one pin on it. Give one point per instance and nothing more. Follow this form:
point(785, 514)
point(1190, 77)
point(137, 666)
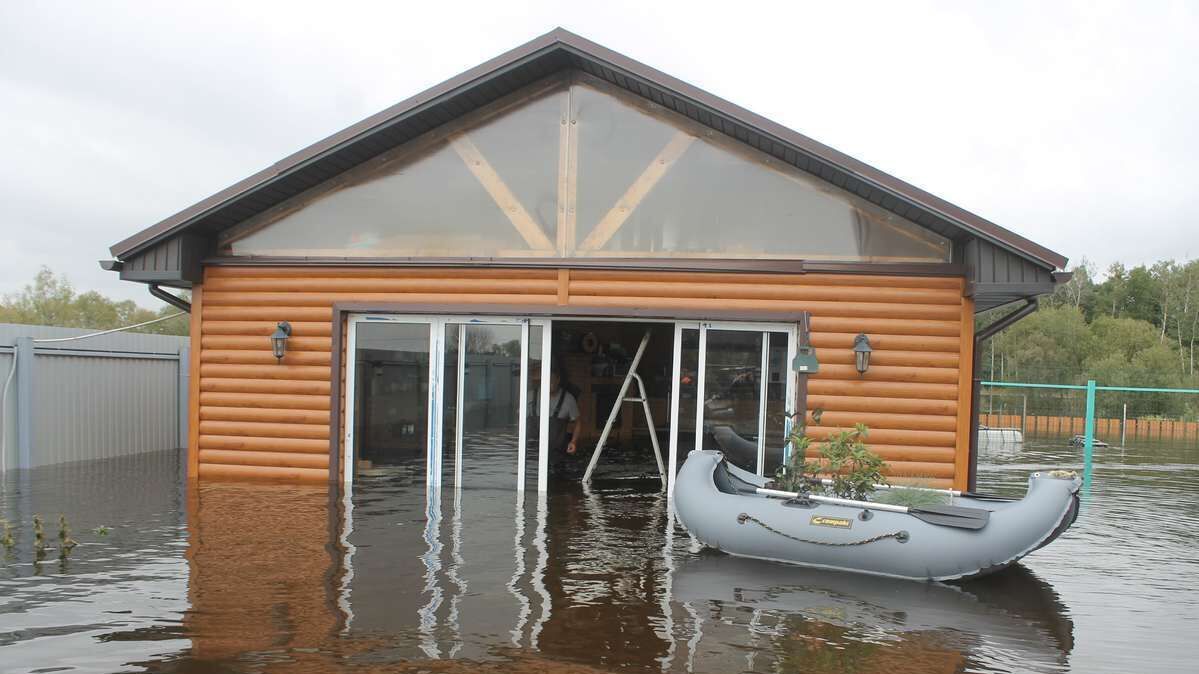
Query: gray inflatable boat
point(726, 508)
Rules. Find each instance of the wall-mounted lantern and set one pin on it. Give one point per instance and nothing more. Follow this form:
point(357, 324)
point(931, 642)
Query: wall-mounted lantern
point(861, 353)
point(279, 339)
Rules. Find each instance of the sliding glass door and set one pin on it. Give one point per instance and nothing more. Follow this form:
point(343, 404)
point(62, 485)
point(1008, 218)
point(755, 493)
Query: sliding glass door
point(464, 399)
point(457, 397)
point(390, 413)
point(733, 387)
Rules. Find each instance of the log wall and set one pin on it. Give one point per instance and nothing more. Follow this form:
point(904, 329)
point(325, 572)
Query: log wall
point(261, 419)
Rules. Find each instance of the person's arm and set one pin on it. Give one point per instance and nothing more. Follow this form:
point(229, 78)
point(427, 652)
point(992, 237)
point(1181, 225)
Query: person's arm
point(573, 426)
point(573, 446)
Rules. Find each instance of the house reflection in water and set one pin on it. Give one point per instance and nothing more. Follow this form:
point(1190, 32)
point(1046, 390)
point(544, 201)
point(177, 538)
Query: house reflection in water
point(488, 579)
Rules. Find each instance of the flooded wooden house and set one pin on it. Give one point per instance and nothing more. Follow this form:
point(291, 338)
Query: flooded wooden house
point(413, 293)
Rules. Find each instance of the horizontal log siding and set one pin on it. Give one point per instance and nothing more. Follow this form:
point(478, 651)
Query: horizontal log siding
point(261, 419)
point(912, 394)
point(267, 420)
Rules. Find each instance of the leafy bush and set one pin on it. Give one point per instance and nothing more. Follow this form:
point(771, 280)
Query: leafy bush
point(853, 468)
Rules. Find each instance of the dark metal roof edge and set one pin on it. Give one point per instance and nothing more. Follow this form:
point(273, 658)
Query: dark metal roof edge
point(587, 49)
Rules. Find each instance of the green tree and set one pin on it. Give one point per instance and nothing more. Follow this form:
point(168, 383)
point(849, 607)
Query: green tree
point(1138, 327)
point(1079, 292)
point(1141, 299)
point(1049, 345)
point(1125, 337)
point(51, 300)
point(1111, 295)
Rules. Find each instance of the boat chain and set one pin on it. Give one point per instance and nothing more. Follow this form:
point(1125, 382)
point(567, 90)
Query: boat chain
point(901, 536)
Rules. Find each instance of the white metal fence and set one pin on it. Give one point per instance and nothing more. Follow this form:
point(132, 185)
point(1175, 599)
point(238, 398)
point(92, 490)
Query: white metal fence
point(98, 397)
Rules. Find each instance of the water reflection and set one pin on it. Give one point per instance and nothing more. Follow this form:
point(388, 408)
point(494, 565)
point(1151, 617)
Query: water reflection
point(590, 578)
point(788, 615)
point(241, 578)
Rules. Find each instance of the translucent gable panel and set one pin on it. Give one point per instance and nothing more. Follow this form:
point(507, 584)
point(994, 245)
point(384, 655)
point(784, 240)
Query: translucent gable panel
point(577, 170)
point(490, 190)
point(651, 185)
point(616, 144)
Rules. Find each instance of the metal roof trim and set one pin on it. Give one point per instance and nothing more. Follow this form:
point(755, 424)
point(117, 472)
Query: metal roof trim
point(579, 47)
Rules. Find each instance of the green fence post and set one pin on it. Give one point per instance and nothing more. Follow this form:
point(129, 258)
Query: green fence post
point(1088, 444)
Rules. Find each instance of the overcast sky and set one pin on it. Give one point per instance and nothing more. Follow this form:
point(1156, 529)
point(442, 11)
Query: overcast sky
point(1074, 124)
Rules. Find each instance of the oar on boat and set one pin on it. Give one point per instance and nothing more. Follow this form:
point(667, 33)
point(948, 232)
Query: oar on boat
point(952, 492)
point(943, 515)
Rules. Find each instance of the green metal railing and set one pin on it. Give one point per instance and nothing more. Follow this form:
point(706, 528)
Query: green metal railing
point(1088, 444)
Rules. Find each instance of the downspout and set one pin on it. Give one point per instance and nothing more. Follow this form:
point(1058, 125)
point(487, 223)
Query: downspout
point(976, 383)
point(170, 299)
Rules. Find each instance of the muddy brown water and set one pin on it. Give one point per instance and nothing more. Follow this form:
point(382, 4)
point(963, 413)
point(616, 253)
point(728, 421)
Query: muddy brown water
point(241, 578)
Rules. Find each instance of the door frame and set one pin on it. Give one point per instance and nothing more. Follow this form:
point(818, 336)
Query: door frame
point(341, 479)
point(791, 329)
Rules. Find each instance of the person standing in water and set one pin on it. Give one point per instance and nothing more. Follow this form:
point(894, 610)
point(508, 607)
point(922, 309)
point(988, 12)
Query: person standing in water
point(563, 422)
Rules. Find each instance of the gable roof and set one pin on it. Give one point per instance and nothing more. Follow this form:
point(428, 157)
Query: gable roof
point(557, 50)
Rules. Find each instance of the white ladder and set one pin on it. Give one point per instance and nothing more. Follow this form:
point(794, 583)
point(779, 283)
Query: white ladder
point(620, 400)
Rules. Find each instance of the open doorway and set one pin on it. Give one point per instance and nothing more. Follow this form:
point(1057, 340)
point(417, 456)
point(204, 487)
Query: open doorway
point(593, 358)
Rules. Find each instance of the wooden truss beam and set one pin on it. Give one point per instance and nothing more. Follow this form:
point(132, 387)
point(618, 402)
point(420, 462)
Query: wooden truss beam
point(499, 191)
point(615, 218)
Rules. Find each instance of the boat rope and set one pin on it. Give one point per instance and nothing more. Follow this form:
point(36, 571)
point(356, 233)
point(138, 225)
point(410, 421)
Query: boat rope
point(901, 536)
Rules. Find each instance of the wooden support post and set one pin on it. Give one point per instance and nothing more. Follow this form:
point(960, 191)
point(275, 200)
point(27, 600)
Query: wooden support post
point(499, 191)
point(965, 422)
point(568, 175)
point(612, 221)
point(563, 287)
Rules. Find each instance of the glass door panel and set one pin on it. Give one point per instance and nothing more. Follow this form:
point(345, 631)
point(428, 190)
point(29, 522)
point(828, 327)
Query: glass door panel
point(687, 389)
point(733, 384)
point(733, 395)
point(487, 445)
point(391, 394)
point(777, 374)
point(449, 406)
point(533, 405)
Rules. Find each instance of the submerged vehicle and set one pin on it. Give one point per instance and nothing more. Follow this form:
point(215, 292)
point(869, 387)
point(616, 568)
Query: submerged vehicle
point(730, 509)
point(996, 442)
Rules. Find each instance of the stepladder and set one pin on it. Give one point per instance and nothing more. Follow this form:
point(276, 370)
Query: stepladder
point(621, 399)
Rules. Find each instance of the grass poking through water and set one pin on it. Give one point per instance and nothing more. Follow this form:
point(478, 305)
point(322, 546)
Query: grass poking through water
point(911, 498)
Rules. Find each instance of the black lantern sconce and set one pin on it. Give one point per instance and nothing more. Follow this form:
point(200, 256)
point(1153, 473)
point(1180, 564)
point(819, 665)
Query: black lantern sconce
point(861, 353)
point(279, 339)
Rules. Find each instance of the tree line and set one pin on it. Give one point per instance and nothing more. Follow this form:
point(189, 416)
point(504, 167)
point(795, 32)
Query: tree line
point(1135, 327)
point(51, 299)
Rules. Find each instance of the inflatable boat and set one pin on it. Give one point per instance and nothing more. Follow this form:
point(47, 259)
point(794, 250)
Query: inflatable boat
point(727, 508)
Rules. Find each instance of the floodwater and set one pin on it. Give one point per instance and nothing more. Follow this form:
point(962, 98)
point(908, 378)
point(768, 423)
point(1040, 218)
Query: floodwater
point(239, 578)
